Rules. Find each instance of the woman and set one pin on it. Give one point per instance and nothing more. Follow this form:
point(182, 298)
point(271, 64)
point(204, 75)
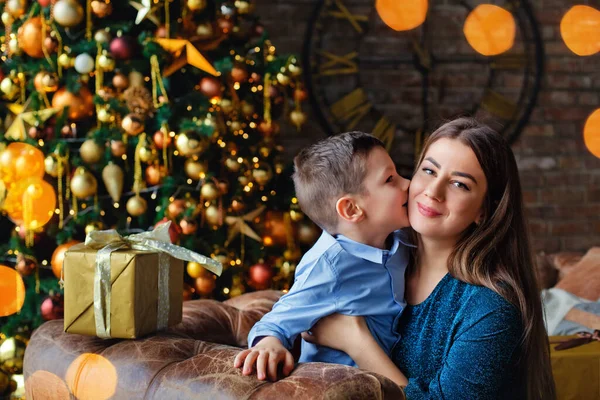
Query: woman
point(473, 323)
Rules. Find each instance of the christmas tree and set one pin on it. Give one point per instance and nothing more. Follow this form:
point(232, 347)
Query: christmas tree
point(125, 115)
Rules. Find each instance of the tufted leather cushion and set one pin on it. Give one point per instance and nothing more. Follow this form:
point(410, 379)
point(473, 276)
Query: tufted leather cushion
point(193, 360)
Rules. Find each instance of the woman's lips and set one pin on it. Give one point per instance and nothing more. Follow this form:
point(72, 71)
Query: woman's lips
point(427, 212)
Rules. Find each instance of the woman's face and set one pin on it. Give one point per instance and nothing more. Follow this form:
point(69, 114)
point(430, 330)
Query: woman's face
point(447, 191)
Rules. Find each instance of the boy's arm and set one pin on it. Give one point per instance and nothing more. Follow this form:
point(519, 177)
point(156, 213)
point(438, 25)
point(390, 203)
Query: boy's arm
point(313, 296)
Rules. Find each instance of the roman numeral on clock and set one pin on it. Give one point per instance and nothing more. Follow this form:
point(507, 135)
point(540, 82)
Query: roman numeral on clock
point(338, 65)
point(343, 13)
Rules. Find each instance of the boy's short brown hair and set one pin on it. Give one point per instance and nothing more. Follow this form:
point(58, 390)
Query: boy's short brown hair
point(330, 169)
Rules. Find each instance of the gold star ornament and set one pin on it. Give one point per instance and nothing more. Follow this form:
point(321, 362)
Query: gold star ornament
point(185, 53)
point(145, 10)
point(17, 130)
point(239, 226)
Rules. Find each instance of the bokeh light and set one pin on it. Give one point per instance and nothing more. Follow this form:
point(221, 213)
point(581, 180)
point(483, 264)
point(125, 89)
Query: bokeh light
point(402, 15)
point(46, 385)
point(580, 30)
point(591, 133)
point(490, 30)
point(92, 377)
point(12, 291)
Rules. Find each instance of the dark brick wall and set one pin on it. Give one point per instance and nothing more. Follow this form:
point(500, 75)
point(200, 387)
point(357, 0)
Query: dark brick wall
point(561, 179)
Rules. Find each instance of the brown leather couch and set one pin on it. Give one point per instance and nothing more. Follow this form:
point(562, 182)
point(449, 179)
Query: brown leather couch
point(193, 360)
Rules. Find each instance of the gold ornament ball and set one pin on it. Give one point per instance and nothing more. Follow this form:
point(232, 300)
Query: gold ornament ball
point(93, 226)
point(106, 63)
point(243, 180)
point(120, 81)
point(81, 105)
point(247, 109)
point(195, 169)
point(235, 126)
point(30, 37)
point(14, 47)
point(195, 270)
point(12, 351)
point(8, 87)
point(196, 5)
point(204, 30)
point(136, 79)
point(83, 184)
point(102, 36)
point(232, 164)
point(51, 165)
point(263, 174)
point(283, 79)
point(117, 148)
point(298, 117)
point(190, 143)
point(101, 9)
point(16, 8)
point(65, 61)
point(68, 13)
point(147, 154)
point(175, 208)
point(209, 191)
point(205, 284)
point(308, 233)
point(237, 204)
point(213, 215)
point(295, 70)
point(155, 174)
point(7, 19)
point(132, 124)
point(296, 215)
point(91, 152)
point(226, 105)
point(49, 82)
point(104, 115)
point(136, 206)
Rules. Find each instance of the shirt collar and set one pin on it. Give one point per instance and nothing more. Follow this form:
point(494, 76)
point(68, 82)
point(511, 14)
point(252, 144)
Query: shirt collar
point(370, 253)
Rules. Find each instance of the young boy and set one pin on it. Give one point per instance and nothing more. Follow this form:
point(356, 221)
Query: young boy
point(348, 185)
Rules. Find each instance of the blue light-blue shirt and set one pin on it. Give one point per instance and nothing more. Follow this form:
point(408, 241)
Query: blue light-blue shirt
point(339, 275)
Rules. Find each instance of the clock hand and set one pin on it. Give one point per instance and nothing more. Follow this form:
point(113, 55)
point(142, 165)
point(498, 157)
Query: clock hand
point(422, 55)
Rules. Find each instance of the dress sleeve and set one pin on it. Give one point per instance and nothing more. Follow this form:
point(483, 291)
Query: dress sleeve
point(312, 297)
point(479, 361)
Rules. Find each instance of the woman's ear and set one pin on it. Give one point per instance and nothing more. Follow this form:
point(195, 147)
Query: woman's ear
point(348, 210)
point(479, 217)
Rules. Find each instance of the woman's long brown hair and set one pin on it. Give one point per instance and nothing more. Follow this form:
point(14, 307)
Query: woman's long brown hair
point(496, 253)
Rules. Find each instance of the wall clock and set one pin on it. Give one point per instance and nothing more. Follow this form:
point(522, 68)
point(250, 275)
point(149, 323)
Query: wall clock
point(362, 75)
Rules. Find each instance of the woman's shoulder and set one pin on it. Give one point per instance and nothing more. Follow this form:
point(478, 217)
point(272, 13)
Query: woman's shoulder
point(479, 301)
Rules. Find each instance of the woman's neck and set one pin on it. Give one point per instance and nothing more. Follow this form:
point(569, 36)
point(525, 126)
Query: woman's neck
point(433, 255)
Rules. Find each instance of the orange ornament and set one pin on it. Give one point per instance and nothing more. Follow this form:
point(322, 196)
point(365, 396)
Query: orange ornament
point(205, 284)
point(12, 291)
point(81, 105)
point(91, 376)
point(490, 30)
point(580, 29)
point(59, 255)
point(591, 133)
point(30, 37)
point(402, 15)
point(19, 161)
point(31, 202)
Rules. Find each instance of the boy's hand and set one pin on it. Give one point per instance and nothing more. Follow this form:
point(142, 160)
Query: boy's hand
point(267, 354)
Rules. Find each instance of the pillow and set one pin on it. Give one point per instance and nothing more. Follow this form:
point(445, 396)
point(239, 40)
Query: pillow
point(564, 262)
point(584, 278)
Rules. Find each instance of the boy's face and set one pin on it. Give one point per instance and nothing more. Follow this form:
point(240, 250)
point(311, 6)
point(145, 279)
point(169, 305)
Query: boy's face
point(385, 203)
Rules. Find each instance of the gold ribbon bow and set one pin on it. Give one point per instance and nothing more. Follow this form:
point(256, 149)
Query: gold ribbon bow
point(157, 240)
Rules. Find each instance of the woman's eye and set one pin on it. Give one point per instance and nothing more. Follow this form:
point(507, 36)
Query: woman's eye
point(428, 171)
point(461, 185)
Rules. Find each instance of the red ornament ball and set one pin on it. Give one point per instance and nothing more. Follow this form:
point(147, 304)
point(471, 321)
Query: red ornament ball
point(210, 86)
point(174, 229)
point(52, 308)
point(122, 48)
point(260, 276)
point(44, 3)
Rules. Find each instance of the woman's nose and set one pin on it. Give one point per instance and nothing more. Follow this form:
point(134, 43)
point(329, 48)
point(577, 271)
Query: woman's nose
point(435, 190)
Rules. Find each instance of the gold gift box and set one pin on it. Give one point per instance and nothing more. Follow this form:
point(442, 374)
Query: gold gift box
point(134, 294)
point(576, 370)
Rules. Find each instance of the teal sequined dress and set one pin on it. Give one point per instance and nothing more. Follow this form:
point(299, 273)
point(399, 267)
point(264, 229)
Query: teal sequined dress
point(462, 342)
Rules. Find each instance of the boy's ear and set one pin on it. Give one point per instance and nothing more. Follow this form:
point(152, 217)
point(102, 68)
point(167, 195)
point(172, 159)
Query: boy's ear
point(348, 209)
